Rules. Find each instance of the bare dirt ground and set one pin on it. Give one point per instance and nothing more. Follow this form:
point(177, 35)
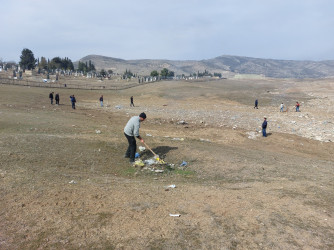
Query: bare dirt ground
point(64, 186)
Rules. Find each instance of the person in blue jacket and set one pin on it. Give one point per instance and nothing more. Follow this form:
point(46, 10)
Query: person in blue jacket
point(264, 127)
point(73, 101)
point(256, 103)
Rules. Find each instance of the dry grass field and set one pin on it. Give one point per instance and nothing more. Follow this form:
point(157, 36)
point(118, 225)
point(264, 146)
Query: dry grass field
point(64, 186)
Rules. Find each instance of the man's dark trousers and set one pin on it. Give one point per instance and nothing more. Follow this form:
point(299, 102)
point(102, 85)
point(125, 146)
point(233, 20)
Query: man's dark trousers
point(131, 148)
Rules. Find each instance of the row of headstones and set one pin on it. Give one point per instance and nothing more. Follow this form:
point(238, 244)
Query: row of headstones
point(4, 68)
point(21, 72)
point(149, 79)
point(87, 75)
point(56, 71)
point(15, 76)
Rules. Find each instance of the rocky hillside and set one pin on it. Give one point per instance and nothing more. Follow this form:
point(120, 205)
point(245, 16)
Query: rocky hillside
point(227, 65)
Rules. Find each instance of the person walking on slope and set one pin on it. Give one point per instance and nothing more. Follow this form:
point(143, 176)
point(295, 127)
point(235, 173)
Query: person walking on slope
point(51, 97)
point(101, 100)
point(73, 101)
point(264, 127)
point(281, 107)
point(297, 107)
point(256, 103)
point(57, 99)
point(131, 102)
point(131, 130)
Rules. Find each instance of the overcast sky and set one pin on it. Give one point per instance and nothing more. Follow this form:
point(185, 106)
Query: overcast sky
point(173, 29)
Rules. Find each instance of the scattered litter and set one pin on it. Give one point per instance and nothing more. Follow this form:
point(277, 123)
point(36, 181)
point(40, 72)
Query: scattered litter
point(72, 182)
point(252, 135)
point(171, 165)
point(141, 148)
point(137, 155)
point(183, 164)
point(148, 135)
point(139, 163)
point(161, 161)
point(175, 215)
point(98, 131)
point(150, 161)
point(177, 139)
point(204, 140)
point(172, 186)
point(182, 122)
point(157, 165)
point(118, 106)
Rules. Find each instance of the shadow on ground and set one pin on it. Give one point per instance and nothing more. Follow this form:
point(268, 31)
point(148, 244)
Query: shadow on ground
point(162, 151)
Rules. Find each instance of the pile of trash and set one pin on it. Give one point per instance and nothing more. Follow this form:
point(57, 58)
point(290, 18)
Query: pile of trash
point(155, 164)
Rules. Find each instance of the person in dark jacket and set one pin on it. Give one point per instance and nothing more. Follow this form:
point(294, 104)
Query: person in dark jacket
point(57, 99)
point(264, 127)
point(256, 103)
point(73, 101)
point(131, 102)
point(131, 130)
point(51, 97)
point(101, 100)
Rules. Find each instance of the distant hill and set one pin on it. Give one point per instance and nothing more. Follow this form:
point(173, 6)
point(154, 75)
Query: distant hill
point(227, 65)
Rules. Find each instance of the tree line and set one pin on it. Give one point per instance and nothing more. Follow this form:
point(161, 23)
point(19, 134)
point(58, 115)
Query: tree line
point(164, 73)
point(28, 62)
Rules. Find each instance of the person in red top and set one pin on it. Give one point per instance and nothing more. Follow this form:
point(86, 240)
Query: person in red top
point(297, 107)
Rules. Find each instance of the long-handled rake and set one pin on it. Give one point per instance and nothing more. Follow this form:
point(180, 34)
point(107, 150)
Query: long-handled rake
point(155, 155)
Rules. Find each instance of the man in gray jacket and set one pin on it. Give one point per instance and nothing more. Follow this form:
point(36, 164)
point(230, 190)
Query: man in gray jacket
point(131, 131)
